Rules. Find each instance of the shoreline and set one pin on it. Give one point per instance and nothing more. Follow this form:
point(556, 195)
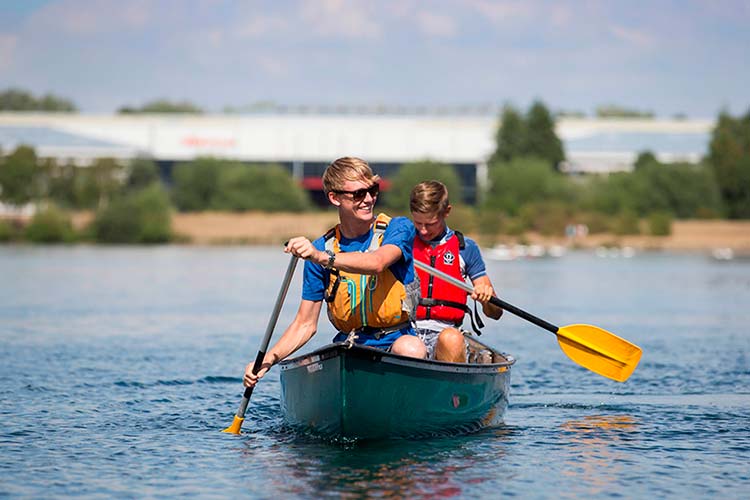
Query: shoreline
point(258, 228)
point(216, 228)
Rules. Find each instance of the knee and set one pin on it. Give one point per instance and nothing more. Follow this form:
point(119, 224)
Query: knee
point(451, 337)
point(451, 346)
point(409, 345)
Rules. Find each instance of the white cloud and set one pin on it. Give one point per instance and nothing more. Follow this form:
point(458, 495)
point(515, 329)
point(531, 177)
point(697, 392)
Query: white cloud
point(340, 19)
point(639, 39)
point(502, 12)
point(436, 24)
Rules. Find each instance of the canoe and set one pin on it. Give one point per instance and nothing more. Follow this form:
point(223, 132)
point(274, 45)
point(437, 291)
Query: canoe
point(355, 391)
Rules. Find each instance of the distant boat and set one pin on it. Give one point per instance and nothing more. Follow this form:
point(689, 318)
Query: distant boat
point(535, 251)
point(615, 252)
point(724, 253)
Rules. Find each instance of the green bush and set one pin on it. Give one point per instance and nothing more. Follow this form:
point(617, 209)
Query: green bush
point(6, 231)
point(141, 217)
point(489, 222)
point(660, 223)
point(462, 218)
point(50, 225)
point(210, 183)
point(548, 218)
point(268, 188)
point(195, 184)
point(141, 173)
point(411, 174)
point(596, 222)
point(523, 181)
point(513, 226)
point(626, 222)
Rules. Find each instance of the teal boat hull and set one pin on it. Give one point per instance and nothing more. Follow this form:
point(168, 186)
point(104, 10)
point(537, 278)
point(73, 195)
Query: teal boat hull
point(362, 392)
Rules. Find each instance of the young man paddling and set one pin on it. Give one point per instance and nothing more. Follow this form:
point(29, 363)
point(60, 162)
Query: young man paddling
point(442, 306)
point(362, 269)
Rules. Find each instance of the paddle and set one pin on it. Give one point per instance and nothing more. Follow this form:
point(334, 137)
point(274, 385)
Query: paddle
point(240, 416)
point(592, 347)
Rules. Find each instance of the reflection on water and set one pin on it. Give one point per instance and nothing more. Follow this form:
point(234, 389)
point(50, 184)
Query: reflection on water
point(439, 467)
point(597, 461)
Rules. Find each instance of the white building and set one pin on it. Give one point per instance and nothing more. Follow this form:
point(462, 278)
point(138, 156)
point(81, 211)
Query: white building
point(305, 143)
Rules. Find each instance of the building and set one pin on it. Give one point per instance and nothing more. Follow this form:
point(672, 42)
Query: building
point(305, 142)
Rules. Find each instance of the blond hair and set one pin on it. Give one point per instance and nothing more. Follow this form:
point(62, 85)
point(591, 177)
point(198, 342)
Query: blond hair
point(347, 168)
point(429, 197)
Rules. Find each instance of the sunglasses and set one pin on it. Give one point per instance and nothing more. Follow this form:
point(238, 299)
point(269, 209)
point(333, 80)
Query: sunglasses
point(360, 194)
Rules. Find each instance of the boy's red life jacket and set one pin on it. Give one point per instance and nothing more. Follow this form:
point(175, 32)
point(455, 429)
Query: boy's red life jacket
point(440, 300)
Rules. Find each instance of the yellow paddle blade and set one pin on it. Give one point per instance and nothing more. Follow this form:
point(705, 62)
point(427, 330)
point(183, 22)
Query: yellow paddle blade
point(236, 425)
point(600, 351)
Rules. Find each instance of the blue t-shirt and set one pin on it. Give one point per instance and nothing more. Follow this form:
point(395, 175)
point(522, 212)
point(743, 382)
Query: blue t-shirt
point(400, 232)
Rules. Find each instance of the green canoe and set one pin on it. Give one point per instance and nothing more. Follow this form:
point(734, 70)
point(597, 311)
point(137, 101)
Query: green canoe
point(361, 392)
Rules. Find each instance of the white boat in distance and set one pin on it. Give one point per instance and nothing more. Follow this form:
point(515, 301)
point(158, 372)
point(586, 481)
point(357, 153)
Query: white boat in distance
point(512, 252)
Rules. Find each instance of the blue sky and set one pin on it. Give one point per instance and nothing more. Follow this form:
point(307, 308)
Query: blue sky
point(668, 57)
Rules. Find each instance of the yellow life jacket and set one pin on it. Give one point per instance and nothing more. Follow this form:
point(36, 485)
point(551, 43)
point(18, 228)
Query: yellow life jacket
point(379, 300)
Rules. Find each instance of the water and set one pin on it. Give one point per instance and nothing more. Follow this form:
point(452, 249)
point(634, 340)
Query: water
point(119, 366)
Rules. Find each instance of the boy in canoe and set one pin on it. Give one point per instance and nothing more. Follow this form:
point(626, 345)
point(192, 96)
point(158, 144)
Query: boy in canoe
point(362, 269)
point(443, 306)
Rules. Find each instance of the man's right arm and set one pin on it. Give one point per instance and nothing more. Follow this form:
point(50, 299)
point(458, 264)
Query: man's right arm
point(302, 329)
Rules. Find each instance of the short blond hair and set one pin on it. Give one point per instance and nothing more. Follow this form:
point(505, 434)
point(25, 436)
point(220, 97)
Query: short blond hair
point(347, 168)
point(429, 197)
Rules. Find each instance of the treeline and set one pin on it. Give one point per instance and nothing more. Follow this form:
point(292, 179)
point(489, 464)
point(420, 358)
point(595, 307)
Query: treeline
point(525, 189)
point(130, 202)
point(14, 99)
point(527, 192)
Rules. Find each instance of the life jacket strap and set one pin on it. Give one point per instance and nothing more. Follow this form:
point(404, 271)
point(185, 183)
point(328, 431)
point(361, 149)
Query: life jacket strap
point(378, 333)
point(476, 320)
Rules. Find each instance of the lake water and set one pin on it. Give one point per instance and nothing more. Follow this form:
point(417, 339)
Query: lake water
point(119, 367)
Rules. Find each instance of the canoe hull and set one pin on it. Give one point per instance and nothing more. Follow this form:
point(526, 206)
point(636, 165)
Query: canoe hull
point(363, 392)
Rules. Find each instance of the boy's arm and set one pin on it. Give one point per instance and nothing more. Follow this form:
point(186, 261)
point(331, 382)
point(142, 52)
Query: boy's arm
point(483, 291)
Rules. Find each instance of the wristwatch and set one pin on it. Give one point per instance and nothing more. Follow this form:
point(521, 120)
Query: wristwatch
point(331, 259)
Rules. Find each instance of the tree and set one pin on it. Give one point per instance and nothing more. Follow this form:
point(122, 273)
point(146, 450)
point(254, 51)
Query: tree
point(532, 136)
point(541, 139)
point(411, 174)
point(510, 137)
point(142, 216)
point(62, 185)
point(644, 158)
point(163, 106)
point(522, 181)
point(195, 184)
point(20, 100)
point(254, 187)
point(729, 156)
point(681, 189)
point(141, 173)
point(20, 176)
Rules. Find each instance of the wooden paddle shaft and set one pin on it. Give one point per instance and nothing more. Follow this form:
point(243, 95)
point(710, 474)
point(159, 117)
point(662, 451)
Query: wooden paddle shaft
point(269, 331)
point(498, 302)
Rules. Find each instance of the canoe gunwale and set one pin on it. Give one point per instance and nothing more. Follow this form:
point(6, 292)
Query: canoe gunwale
point(338, 348)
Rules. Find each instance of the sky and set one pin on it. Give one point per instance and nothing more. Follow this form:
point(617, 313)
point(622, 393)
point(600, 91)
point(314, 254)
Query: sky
point(679, 57)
